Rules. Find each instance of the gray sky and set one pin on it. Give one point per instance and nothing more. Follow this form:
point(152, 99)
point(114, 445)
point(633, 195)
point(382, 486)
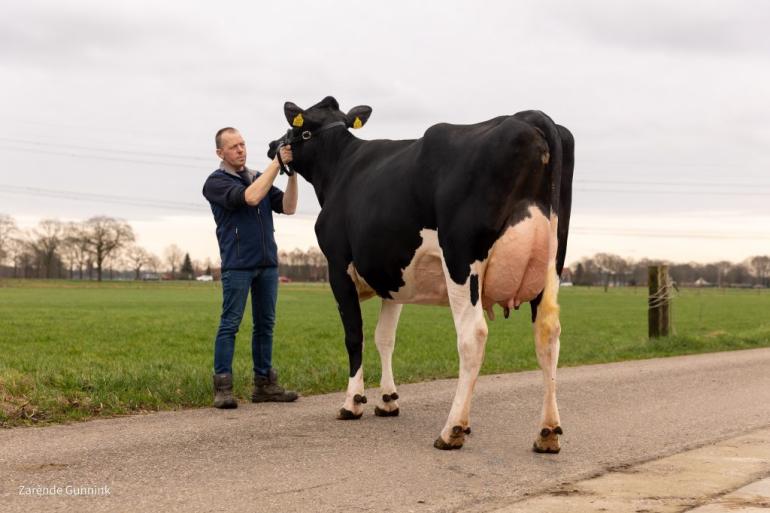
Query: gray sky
point(110, 107)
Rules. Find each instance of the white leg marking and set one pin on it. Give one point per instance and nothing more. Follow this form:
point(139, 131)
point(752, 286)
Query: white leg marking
point(547, 329)
point(355, 387)
point(471, 338)
point(385, 338)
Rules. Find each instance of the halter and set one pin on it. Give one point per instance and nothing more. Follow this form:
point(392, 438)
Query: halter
point(305, 135)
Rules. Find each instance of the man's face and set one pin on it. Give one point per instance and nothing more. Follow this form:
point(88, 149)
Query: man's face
point(233, 150)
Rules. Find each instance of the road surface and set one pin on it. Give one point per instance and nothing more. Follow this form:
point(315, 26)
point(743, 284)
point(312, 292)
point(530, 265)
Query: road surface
point(298, 458)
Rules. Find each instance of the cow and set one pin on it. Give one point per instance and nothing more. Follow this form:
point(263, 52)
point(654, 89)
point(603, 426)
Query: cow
point(467, 216)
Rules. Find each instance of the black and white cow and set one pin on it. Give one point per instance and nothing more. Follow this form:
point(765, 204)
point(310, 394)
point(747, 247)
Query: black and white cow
point(467, 216)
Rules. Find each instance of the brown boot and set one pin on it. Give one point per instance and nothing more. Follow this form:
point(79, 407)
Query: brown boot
point(223, 392)
point(267, 389)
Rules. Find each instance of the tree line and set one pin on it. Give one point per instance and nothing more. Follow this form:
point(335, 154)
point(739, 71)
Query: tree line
point(103, 245)
point(92, 249)
point(612, 270)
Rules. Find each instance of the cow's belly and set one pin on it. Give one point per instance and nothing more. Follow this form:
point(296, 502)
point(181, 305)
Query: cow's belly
point(424, 281)
point(518, 261)
point(513, 273)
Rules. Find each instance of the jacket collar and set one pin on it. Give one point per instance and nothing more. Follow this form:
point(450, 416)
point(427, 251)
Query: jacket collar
point(230, 170)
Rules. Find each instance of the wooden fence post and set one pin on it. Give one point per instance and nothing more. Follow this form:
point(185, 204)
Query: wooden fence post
point(658, 302)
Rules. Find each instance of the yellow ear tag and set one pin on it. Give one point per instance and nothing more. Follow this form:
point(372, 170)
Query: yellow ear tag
point(357, 123)
point(298, 121)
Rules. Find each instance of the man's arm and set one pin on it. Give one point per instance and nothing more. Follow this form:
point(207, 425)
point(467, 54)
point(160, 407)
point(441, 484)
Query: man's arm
point(261, 186)
point(290, 196)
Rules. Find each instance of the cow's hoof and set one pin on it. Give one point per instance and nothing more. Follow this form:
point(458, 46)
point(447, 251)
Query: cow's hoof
point(456, 439)
point(385, 413)
point(389, 406)
point(345, 414)
point(548, 441)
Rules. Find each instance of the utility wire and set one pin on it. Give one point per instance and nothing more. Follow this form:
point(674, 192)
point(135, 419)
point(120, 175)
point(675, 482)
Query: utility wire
point(667, 234)
point(152, 154)
point(105, 150)
point(675, 184)
point(104, 198)
point(200, 208)
point(688, 193)
point(113, 159)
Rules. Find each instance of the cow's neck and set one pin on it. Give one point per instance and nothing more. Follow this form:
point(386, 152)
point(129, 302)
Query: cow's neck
point(325, 173)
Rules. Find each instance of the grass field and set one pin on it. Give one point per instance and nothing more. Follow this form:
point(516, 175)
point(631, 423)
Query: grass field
point(71, 350)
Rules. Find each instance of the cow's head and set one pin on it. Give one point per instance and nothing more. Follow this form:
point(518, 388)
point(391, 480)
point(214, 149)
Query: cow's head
point(316, 130)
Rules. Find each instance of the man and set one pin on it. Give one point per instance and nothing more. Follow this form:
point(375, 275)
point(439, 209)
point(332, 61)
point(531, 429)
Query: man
point(242, 204)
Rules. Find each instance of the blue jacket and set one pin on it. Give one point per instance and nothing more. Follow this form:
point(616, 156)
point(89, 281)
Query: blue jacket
point(245, 233)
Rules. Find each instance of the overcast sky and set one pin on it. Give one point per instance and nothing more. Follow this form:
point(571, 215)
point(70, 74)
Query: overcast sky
point(110, 107)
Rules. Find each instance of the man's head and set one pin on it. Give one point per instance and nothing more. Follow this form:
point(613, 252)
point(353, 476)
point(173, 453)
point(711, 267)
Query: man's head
point(231, 147)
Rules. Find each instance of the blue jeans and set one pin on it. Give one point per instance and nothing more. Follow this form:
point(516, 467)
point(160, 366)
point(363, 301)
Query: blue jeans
point(263, 283)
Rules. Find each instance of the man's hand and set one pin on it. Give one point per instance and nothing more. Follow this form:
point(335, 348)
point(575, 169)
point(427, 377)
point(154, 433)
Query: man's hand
point(286, 155)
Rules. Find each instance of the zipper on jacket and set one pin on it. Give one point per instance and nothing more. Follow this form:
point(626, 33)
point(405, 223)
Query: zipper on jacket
point(262, 229)
point(237, 243)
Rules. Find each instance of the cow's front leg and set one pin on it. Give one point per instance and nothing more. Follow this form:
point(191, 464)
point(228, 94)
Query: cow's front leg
point(547, 329)
point(350, 312)
point(385, 338)
point(471, 338)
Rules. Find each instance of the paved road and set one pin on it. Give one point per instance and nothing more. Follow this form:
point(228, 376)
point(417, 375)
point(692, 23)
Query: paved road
point(284, 458)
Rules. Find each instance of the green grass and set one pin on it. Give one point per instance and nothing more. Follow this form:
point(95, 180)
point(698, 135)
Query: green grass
point(71, 351)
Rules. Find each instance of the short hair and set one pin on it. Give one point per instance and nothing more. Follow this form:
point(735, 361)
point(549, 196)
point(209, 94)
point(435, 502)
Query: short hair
point(218, 137)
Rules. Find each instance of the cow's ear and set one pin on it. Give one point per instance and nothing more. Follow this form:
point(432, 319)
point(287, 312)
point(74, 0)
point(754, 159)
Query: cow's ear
point(357, 116)
point(293, 114)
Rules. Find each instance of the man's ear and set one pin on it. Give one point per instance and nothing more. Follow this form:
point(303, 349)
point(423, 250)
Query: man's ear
point(358, 116)
point(293, 114)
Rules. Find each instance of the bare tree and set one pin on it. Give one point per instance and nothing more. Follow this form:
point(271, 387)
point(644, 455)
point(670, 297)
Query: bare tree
point(103, 236)
point(45, 242)
point(68, 252)
point(153, 264)
point(722, 267)
point(206, 266)
point(613, 266)
point(137, 257)
point(173, 256)
point(17, 252)
point(760, 267)
point(7, 231)
point(78, 247)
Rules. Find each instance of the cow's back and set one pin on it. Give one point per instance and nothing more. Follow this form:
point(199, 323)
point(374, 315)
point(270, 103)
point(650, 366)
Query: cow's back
point(464, 193)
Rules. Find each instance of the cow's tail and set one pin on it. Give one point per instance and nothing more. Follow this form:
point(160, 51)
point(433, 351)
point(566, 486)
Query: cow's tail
point(547, 315)
point(559, 168)
point(565, 193)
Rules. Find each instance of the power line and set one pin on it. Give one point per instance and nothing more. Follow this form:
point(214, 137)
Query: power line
point(199, 160)
point(679, 193)
point(104, 198)
point(199, 208)
point(105, 150)
point(100, 157)
point(676, 184)
point(681, 234)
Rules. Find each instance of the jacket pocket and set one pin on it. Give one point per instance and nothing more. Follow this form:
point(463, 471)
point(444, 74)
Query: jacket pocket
point(237, 243)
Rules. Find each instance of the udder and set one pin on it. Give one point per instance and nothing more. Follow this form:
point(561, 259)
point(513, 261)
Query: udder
point(518, 262)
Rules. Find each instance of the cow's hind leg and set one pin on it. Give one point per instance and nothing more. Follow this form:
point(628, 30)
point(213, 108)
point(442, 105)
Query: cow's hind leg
point(471, 338)
point(547, 329)
point(385, 338)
